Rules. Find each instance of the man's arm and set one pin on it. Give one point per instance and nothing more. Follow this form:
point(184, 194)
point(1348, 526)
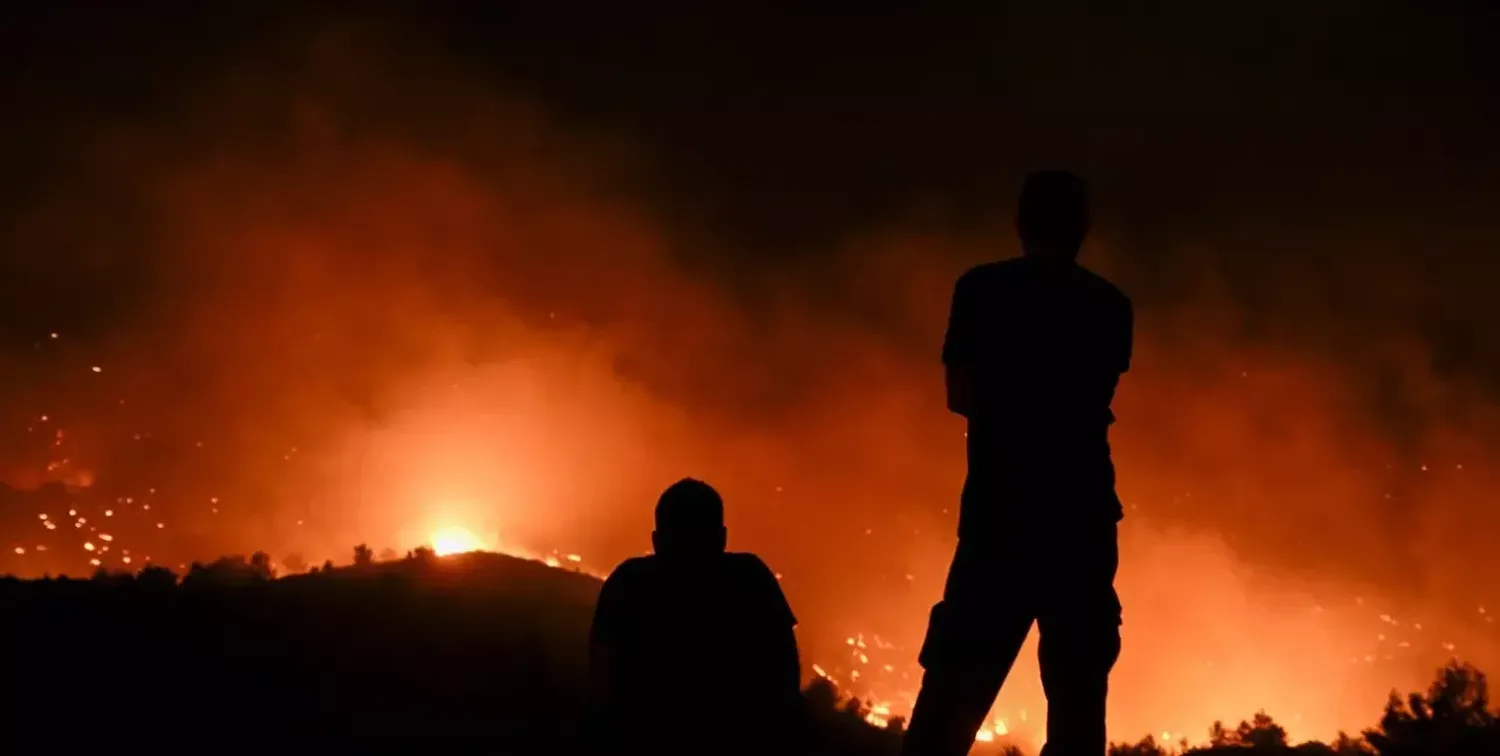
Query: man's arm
point(1115, 349)
point(604, 673)
point(787, 676)
point(775, 615)
point(789, 662)
point(958, 349)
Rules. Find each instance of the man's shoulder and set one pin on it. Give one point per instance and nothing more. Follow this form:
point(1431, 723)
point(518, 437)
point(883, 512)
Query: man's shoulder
point(1023, 278)
point(643, 568)
point(747, 563)
point(986, 275)
point(747, 567)
point(1026, 273)
point(1104, 288)
point(750, 571)
point(631, 570)
point(753, 575)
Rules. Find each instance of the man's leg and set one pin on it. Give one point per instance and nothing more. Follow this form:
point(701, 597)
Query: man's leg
point(971, 644)
point(1080, 643)
point(949, 711)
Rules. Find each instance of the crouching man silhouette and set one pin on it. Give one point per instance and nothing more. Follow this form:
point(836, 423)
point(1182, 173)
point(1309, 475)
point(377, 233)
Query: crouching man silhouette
point(692, 648)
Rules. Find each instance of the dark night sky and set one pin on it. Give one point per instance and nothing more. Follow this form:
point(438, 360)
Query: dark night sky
point(1325, 160)
point(1277, 126)
point(782, 126)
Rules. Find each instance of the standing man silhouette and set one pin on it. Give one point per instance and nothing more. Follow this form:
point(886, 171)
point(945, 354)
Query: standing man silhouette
point(1034, 349)
point(692, 648)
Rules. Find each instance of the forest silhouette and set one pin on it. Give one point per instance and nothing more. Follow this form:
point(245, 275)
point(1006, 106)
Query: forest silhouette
point(482, 649)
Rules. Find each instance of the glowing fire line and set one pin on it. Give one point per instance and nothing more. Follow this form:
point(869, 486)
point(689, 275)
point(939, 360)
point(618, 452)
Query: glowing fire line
point(455, 540)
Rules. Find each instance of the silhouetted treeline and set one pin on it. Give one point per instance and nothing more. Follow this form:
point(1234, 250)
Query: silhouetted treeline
point(480, 648)
point(1451, 718)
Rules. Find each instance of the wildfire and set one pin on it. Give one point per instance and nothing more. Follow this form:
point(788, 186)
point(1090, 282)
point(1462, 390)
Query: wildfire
point(881, 673)
point(455, 540)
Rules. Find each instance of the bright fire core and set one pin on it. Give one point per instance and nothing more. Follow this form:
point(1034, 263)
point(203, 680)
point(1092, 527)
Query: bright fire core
point(455, 540)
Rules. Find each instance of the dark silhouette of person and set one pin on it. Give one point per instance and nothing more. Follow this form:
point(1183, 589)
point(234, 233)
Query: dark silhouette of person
point(692, 648)
point(1034, 350)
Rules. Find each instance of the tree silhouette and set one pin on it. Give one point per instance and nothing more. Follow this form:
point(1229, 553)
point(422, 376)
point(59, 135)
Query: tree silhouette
point(1147, 746)
point(854, 708)
point(1218, 736)
point(821, 695)
point(1452, 718)
point(1346, 745)
point(157, 577)
point(295, 563)
point(363, 556)
point(1261, 732)
point(260, 566)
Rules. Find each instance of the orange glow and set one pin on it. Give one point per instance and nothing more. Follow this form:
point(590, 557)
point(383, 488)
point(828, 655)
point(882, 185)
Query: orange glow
point(455, 540)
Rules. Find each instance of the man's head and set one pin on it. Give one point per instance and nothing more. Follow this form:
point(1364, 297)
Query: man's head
point(1053, 214)
point(689, 520)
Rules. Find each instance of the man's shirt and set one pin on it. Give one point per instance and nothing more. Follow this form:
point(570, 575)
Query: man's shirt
point(1041, 344)
point(686, 649)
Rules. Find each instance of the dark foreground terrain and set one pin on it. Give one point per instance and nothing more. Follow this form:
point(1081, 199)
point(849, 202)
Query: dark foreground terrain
point(480, 649)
